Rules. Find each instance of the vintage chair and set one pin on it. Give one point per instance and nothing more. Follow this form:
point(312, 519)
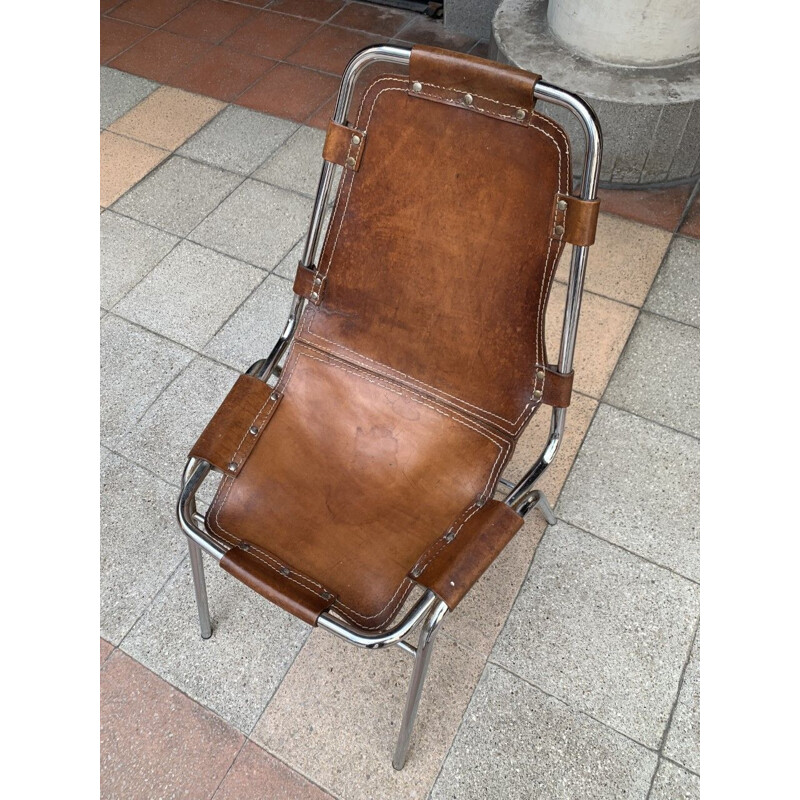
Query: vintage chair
point(414, 358)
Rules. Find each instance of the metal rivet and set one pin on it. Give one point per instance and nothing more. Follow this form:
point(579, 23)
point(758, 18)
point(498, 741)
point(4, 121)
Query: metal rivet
point(356, 139)
point(254, 430)
point(233, 466)
point(244, 546)
point(317, 281)
point(561, 205)
point(273, 396)
point(285, 571)
point(540, 374)
point(520, 113)
point(537, 394)
point(416, 86)
point(451, 583)
point(558, 230)
point(449, 536)
point(468, 98)
point(327, 596)
point(416, 572)
point(350, 162)
point(314, 295)
point(481, 503)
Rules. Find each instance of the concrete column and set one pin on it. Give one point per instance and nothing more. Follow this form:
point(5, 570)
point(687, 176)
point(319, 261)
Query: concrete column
point(628, 32)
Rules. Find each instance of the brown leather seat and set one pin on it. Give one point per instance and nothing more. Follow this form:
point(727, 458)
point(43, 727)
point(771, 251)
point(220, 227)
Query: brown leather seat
point(419, 358)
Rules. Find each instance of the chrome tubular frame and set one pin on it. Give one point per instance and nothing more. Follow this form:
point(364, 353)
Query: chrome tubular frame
point(522, 497)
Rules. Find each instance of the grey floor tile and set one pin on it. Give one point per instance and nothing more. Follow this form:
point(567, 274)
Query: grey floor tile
point(288, 265)
point(253, 330)
point(135, 365)
point(516, 742)
point(177, 195)
point(128, 251)
point(190, 294)
point(257, 223)
point(603, 630)
point(119, 93)
point(674, 783)
point(140, 545)
point(676, 290)
point(162, 439)
point(683, 739)
point(238, 139)
point(297, 164)
point(658, 374)
point(636, 484)
point(235, 672)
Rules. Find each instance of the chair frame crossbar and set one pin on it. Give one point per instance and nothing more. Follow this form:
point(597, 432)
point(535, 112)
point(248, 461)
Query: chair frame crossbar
point(522, 497)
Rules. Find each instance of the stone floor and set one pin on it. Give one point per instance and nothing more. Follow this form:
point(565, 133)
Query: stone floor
point(572, 668)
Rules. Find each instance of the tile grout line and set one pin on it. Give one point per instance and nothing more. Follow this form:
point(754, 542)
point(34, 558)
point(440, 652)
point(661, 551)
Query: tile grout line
point(574, 709)
point(663, 425)
point(630, 552)
point(674, 707)
point(688, 207)
point(230, 766)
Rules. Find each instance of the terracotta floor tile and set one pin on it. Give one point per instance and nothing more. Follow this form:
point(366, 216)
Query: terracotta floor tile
point(124, 162)
point(105, 650)
point(290, 92)
point(160, 56)
point(116, 36)
point(660, 207)
point(603, 330)
point(167, 118)
point(329, 49)
point(336, 715)
point(624, 260)
point(321, 10)
point(223, 73)
point(108, 5)
point(271, 35)
point(149, 12)
point(209, 20)
point(423, 30)
point(379, 20)
point(155, 741)
point(256, 774)
point(691, 225)
point(322, 116)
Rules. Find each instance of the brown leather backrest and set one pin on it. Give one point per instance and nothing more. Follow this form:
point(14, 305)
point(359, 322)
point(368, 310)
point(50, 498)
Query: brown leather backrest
point(437, 264)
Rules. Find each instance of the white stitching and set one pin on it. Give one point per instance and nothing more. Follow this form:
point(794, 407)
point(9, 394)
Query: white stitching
point(548, 269)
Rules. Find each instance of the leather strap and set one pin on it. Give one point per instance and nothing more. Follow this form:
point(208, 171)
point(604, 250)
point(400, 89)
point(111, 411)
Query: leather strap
point(575, 219)
point(557, 388)
point(344, 146)
point(309, 284)
point(277, 582)
point(233, 431)
point(459, 563)
point(494, 88)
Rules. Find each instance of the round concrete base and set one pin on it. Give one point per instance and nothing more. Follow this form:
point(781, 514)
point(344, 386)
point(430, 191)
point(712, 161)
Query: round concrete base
point(650, 117)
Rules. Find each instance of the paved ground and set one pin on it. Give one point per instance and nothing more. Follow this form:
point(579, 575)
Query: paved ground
point(570, 671)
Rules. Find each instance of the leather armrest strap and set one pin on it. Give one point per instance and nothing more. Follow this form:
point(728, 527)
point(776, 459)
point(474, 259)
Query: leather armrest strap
point(557, 387)
point(309, 284)
point(458, 565)
point(344, 146)
point(487, 81)
point(575, 219)
point(233, 431)
point(278, 584)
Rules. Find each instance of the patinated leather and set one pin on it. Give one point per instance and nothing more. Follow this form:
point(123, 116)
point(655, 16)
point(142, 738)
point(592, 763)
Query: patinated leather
point(557, 387)
point(579, 219)
point(409, 382)
point(344, 146)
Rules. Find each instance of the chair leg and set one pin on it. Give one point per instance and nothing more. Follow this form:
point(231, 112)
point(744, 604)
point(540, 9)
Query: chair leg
point(421, 660)
point(540, 501)
point(196, 557)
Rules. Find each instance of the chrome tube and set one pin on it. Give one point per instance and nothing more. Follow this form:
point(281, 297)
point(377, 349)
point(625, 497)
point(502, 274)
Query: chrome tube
point(371, 641)
point(200, 593)
point(421, 661)
point(193, 476)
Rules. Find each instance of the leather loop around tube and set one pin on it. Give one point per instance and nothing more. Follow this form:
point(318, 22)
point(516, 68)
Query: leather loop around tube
point(557, 388)
point(309, 284)
point(458, 564)
point(343, 146)
point(577, 221)
point(508, 87)
point(233, 431)
point(257, 571)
